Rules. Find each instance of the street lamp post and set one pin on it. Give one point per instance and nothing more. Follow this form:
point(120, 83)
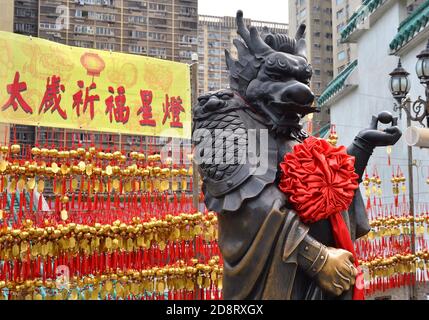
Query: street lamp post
point(415, 111)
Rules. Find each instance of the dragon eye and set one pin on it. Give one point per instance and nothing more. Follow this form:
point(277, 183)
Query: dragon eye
point(202, 101)
point(281, 63)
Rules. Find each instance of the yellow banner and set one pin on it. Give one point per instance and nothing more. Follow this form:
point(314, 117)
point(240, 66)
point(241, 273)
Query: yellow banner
point(43, 83)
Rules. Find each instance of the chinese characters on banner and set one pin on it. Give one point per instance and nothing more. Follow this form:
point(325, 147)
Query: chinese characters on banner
point(48, 84)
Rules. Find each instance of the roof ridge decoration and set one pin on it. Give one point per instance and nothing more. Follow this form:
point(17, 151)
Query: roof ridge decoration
point(364, 11)
point(336, 84)
point(410, 27)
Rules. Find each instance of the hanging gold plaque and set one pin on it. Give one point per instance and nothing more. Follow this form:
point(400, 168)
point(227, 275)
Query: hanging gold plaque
point(88, 170)
point(21, 184)
point(74, 183)
point(160, 287)
point(115, 184)
point(64, 169)
point(64, 215)
point(161, 245)
point(127, 186)
point(40, 186)
point(74, 295)
point(31, 183)
point(12, 186)
point(94, 294)
point(96, 185)
point(72, 242)
point(174, 185)
point(108, 243)
point(165, 185)
point(156, 184)
point(108, 285)
point(15, 250)
point(109, 170)
point(82, 166)
point(55, 168)
point(3, 165)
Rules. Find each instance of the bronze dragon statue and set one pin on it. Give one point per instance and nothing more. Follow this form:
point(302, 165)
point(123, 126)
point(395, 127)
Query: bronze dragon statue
point(240, 135)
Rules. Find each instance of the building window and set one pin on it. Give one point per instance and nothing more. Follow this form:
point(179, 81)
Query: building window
point(317, 72)
point(104, 31)
point(97, 2)
point(340, 14)
point(48, 26)
point(137, 34)
point(157, 22)
point(330, 73)
point(25, 27)
point(157, 7)
point(137, 4)
point(185, 54)
point(302, 13)
point(316, 46)
point(83, 44)
point(101, 16)
point(317, 34)
point(157, 36)
point(105, 46)
point(83, 29)
point(25, 13)
point(158, 52)
point(329, 48)
point(188, 11)
point(341, 55)
point(137, 19)
point(189, 25)
point(189, 39)
point(136, 49)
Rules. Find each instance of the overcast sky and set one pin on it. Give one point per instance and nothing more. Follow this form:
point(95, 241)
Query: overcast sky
point(266, 10)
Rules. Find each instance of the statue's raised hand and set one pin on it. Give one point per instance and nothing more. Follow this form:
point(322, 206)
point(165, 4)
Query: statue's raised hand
point(380, 138)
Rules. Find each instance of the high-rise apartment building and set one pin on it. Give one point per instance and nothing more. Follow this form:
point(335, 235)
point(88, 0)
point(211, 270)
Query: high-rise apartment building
point(317, 16)
point(215, 34)
point(343, 53)
point(165, 29)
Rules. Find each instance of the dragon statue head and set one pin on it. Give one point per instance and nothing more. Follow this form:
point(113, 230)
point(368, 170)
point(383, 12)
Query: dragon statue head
point(272, 74)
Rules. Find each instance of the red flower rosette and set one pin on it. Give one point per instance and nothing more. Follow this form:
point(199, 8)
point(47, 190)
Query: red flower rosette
point(319, 179)
point(320, 182)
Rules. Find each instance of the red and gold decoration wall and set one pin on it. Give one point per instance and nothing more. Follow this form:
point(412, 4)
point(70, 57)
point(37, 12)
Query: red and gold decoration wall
point(93, 221)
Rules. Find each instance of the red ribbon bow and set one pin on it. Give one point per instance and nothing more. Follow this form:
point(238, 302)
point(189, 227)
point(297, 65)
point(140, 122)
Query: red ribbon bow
point(320, 182)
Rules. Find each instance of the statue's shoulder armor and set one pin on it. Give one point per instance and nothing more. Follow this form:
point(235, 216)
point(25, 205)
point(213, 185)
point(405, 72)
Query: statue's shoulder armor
point(223, 127)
